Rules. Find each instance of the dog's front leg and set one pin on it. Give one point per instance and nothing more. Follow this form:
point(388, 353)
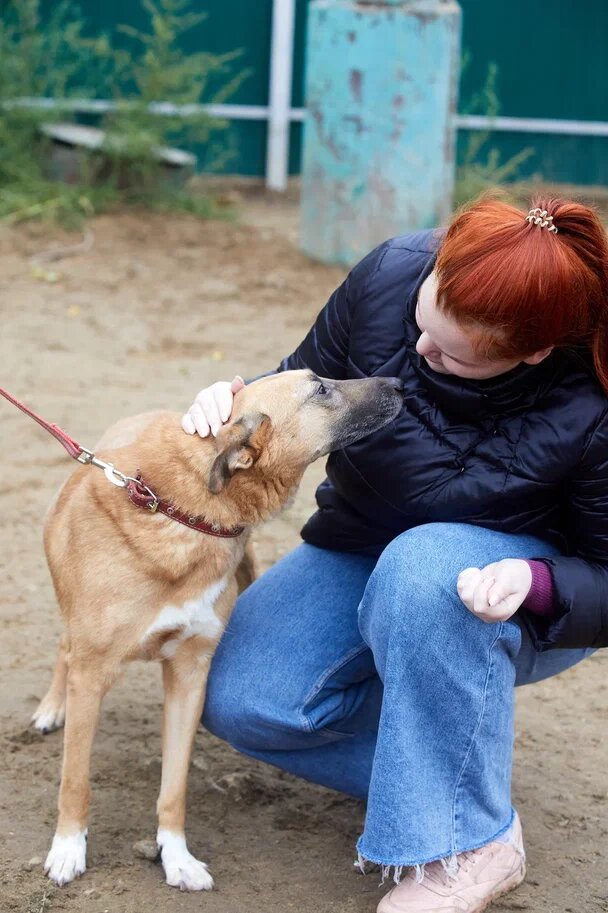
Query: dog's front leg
point(184, 680)
point(67, 856)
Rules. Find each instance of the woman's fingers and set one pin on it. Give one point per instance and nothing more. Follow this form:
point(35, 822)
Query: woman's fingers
point(223, 394)
point(507, 607)
point(212, 407)
point(499, 592)
point(480, 599)
point(467, 581)
point(207, 400)
point(237, 384)
point(473, 587)
point(495, 592)
point(200, 422)
point(188, 424)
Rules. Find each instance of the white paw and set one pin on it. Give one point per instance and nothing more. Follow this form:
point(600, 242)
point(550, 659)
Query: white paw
point(183, 871)
point(67, 858)
point(49, 717)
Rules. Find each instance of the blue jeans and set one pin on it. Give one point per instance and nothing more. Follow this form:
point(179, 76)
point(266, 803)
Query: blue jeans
point(371, 677)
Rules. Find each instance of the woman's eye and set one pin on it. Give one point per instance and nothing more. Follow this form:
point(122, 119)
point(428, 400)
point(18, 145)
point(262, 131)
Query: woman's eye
point(322, 390)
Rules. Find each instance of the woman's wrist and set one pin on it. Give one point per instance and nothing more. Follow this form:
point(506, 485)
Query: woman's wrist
point(541, 596)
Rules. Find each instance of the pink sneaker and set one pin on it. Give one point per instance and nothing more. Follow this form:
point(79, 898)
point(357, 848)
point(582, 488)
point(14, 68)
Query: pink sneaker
point(482, 876)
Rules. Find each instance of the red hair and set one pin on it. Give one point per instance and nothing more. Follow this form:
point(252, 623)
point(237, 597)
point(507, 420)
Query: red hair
point(527, 287)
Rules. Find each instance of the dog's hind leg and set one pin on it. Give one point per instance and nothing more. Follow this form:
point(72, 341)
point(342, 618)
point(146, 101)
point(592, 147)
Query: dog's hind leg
point(184, 680)
point(50, 713)
point(86, 686)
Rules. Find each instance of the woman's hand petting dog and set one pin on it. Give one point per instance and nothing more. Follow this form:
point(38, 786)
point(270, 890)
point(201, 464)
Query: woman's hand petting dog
point(497, 591)
point(212, 407)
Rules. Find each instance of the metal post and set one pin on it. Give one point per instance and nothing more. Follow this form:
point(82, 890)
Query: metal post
point(281, 68)
point(381, 87)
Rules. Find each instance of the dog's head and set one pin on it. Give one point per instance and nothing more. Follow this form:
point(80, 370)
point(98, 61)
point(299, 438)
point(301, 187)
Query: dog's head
point(282, 423)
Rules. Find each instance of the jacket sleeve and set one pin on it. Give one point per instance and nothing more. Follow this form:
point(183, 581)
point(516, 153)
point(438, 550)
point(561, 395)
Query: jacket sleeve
point(581, 579)
point(326, 347)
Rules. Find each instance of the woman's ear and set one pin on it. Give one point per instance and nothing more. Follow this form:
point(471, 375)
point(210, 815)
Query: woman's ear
point(538, 356)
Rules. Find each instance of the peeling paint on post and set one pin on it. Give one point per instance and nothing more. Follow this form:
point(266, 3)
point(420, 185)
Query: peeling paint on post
point(381, 85)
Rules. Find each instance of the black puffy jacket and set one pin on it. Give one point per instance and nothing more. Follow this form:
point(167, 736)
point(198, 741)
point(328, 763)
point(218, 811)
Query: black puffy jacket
point(526, 452)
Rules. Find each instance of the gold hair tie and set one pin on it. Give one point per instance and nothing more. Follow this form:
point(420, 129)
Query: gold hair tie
point(541, 217)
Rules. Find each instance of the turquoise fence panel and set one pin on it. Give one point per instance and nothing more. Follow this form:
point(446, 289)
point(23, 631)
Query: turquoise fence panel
point(229, 25)
point(552, 63)
point(551, 58)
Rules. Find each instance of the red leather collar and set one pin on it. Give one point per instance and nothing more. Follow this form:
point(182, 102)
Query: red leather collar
point(142, 495)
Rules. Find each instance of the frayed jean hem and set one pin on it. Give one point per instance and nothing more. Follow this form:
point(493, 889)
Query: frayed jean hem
point(449, 859)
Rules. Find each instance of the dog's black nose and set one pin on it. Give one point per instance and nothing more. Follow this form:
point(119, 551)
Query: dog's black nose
point(396, 384)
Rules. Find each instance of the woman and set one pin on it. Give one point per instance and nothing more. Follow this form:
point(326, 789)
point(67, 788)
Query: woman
point(455, 553)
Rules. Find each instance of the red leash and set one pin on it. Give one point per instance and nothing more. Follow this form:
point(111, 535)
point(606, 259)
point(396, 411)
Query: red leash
point(64, 439)
point(139, 493)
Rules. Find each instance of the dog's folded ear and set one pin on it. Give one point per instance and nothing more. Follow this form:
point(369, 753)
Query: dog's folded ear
point(240, 444)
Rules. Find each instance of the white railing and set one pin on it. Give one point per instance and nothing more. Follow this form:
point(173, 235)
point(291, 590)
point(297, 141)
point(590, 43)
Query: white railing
point(279, 114)
point(279, 94)
point(531, 125)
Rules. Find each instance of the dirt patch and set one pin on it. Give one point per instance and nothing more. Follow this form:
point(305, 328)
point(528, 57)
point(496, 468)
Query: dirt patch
point(159, 307)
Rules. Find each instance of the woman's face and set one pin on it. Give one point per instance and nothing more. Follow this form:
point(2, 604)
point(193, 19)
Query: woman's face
point(448, 348)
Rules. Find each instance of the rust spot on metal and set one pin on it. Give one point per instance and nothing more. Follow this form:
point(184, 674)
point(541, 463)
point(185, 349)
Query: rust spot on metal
point(398, 101)
point(351, 37)
point(325, 139)
point(423, 18)
point(357, 123)
point(333, 147)
point(355, 81)
point(392, 8)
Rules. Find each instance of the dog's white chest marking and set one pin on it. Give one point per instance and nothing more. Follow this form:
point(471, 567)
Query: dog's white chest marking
point(195, 617)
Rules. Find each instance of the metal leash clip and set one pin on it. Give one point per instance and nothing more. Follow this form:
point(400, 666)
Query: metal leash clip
point(112, 474)
point(115, 476)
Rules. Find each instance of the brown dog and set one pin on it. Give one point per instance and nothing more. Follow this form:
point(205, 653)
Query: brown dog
point(133, 584)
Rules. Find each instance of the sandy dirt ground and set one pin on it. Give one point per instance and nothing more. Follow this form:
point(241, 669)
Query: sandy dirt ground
point(159, 307)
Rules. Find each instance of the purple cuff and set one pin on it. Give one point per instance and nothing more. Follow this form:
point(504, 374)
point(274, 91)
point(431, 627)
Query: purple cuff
point(540, 600)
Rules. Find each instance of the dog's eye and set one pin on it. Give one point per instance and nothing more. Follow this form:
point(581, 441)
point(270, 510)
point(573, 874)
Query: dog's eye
point(322, 390)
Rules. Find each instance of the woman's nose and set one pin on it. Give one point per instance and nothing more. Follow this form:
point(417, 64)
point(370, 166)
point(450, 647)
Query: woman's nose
point(425, 345)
